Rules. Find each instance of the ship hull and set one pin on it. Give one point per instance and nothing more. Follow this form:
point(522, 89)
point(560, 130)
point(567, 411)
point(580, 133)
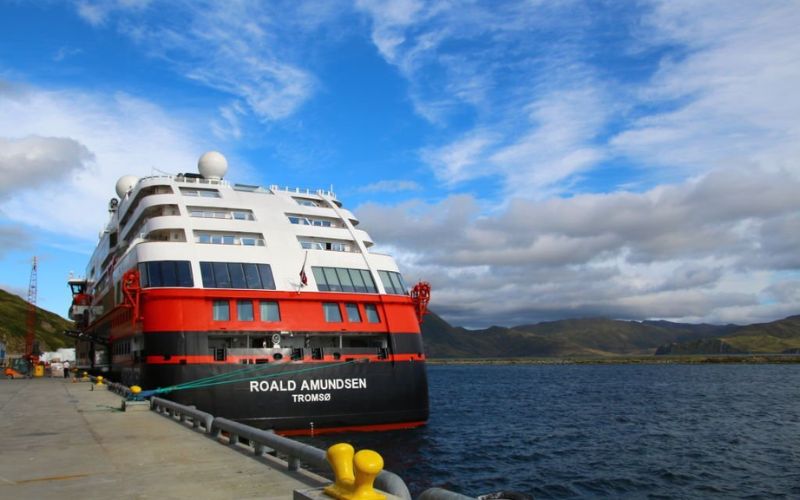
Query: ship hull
point(303, 398)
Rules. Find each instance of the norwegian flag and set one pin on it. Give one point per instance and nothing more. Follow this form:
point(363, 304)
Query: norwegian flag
point(303, 277)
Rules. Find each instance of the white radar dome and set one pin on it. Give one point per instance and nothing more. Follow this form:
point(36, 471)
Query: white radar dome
point(212, 165)
point(125, 184)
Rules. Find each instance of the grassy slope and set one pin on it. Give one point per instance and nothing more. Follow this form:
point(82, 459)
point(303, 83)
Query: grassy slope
point(13, 321)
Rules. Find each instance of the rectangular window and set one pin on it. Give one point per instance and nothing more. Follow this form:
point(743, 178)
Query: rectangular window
point(371, 288)
point(159, 273)
point(399, 287)
point(202, 193)
point(184, 271)
point(306, 202)
point(353, 315)
point(332, 279)
point(344, 279)
point(338, 279)
point(221, 275)
point(207, 272)
point(221, 310)
point(358, 281)
point(392, 282)
point(237, 275)
point(267, 281)
point(251, 276)
point(244, 310)
point(154, 271)
point(270, 311)
point(319, 277)
point(168, 276)
point(372, 313)
point(332, 312)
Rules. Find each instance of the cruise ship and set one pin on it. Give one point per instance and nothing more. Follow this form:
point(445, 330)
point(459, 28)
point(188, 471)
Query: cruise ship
point(259, 304)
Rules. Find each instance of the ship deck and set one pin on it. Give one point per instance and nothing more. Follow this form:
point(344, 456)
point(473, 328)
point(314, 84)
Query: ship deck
point(60, 440)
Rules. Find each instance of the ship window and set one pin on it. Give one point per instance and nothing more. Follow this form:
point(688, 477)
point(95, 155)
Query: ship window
point(372, 313)
point(344, 279)
point(269, 311)
point(319, 277)
point(337, 279)
point(353, 315)
point(221, 310)
point(392, 282)
point(249, 239)
point(198, 192)
point(332, 312)
point(266, 276)
point(221, 275)
point(237, 275)
point(306, 202)
point(251, 276)
point(165, 273)
point(310, 221)
point(244, 310)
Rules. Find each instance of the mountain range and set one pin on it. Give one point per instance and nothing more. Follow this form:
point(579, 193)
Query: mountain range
point(608, 337)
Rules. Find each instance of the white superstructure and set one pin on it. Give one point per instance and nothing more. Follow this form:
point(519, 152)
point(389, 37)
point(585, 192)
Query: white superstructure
point(204, 218)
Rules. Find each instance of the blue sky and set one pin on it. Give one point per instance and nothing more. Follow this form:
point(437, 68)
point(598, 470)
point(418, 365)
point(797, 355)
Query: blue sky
point(534, 160)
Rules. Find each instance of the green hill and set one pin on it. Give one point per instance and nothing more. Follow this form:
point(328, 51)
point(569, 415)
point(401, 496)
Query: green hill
point(13, 321)
point(781, 336)
point(607, 337)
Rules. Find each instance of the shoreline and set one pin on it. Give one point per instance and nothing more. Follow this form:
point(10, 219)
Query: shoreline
point(627, 360)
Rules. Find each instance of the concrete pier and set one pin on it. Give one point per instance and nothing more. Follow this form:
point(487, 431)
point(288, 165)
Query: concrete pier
point(59, 439)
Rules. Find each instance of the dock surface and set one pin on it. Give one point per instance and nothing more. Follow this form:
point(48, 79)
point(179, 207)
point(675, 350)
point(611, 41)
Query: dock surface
point(59, 439)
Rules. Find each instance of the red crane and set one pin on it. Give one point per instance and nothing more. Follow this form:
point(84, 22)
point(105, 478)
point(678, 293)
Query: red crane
point(31, 349)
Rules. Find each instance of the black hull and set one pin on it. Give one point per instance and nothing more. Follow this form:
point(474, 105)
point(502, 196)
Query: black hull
point(308, 397)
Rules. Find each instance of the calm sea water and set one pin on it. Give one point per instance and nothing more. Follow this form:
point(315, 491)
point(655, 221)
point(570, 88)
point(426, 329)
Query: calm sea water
point(609, 431)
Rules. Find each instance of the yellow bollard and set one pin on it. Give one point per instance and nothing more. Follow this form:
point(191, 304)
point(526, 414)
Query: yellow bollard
point(99, 380)
point(85, 377)
point(354, 473)
point(135, 390)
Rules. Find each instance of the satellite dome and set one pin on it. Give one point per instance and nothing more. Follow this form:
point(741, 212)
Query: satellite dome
point(125, 184)
point(212, 165)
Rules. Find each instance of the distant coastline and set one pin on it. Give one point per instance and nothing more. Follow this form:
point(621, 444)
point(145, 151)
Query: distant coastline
point(626, 360)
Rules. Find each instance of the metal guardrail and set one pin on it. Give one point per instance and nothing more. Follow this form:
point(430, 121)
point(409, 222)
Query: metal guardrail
point(120, 389)
point(298, 452)
point(173, 409)
point(267, 442)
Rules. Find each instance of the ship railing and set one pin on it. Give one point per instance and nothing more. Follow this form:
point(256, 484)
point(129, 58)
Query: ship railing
point(172, 410)
point(296, 190)
point(263, 441)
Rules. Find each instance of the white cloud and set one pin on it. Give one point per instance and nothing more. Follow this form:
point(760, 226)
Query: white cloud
point(730, 98)
point(234, 47)
point(691, 251)
point(33, 161)
point(126, 135)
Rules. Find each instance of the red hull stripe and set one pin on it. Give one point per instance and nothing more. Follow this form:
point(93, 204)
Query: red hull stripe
point(190, 309)
point(237, 360)
point(355, 428)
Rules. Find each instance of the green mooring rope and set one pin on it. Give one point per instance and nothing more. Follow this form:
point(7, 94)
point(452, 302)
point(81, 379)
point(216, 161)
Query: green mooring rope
point(242, 375)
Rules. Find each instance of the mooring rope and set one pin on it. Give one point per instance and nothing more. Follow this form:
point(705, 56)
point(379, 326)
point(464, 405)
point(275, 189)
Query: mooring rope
point(242, 375)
